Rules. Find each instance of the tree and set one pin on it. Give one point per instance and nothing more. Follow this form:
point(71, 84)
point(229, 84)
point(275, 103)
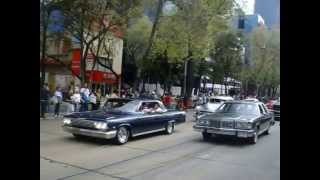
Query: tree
point(227, 55)
point(185, 33)
point(264, 73)
point(89, 21)
point(137, 38)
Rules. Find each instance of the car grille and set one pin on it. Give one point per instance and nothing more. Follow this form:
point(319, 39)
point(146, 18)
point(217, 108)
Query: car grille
point(81, 123)
point(227, 124)
point(215, 124)
point(276, 107)
point(221, 124)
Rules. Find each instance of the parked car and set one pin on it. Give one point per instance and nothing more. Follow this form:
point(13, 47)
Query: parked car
point(241, 119)
point(211, 106)
point(270, 104)
point(276, 110)
point(130, 120)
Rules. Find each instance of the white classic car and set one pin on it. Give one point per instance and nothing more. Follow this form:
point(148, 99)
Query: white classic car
point(212, 105)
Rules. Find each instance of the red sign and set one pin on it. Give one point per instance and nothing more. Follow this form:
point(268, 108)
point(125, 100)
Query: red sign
point(99, 76)
point(94, 75)
point(75, 62)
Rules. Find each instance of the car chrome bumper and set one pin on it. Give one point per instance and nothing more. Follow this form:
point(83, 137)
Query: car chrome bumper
point(91, 133)
point(224, 131)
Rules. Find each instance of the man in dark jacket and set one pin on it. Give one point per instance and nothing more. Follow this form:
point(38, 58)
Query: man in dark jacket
point(44, 99)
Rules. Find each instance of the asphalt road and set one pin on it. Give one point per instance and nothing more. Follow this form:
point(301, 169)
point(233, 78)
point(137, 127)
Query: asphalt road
point(182, 155)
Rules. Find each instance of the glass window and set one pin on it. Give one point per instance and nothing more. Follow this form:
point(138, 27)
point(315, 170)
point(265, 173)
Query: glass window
point(265, 108)
point(213, 100)
point(261, 110)
point(129, 107)
point(240, 108)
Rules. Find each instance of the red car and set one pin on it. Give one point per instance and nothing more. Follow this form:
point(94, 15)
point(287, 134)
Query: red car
point(270, 104)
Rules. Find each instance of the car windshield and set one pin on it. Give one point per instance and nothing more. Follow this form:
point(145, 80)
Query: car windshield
point(129, 107)
point(213, 100)
point(115, 103)
point(240, 108)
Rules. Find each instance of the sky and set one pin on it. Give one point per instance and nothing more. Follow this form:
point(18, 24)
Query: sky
point(247, 6)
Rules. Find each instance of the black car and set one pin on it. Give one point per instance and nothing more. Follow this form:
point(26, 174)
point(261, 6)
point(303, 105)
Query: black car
point(276, 110)
point(132, 119)
point(241, 119)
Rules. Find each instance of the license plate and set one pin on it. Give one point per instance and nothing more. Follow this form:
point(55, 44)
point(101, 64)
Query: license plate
point(242, 134)
point(221, 132)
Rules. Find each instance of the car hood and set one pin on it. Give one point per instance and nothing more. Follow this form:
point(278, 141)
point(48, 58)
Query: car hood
point(209, 107)
point(100, 115)
point(229, 116)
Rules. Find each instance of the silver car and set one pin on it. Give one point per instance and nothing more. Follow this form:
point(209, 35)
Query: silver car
point(211, 106)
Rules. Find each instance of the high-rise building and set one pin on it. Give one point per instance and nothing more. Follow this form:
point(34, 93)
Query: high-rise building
point(248, 22)
point(269, 10)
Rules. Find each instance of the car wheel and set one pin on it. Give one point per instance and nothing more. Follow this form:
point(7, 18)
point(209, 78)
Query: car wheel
point(122, 135)
point(169, 128)
point(254, 138)
point(206, 136)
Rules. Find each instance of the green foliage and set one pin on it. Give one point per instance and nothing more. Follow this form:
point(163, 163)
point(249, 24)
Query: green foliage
point(227, 55)
point(137, 36)
point(265, 57)
point(190, 28)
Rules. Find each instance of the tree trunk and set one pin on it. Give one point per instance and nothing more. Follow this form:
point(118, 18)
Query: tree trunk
point(150, 41)
point(44, 41)
point(154, 27)
point(82, 58)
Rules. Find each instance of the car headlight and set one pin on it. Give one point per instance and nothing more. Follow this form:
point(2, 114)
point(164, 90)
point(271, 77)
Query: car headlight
point(243, 125)
point(100, 125)
point(66, 121)
point(203, 122)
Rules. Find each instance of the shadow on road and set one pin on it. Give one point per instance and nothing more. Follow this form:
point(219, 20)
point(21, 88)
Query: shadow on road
point(229, 141)
point(89, 140)
point(97, 141)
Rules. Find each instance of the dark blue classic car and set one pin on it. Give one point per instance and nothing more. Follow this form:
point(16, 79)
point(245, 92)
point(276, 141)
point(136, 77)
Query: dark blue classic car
point(137, 117)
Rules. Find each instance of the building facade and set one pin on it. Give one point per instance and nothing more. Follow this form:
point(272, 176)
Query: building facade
point(63, 63)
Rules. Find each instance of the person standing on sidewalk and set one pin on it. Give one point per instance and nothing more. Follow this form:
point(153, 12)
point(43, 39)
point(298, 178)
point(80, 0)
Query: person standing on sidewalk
point(84, 92)
point(114, 94)
point(93, 100)
point(58, 95)
point(44, 98)
point(76, 99)
point(98, 98)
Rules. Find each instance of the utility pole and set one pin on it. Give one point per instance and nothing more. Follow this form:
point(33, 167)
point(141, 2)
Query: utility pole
point(185, 77)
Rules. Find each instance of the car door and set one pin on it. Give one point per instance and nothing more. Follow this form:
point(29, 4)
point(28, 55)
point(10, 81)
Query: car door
point(268, 114)
point(148, 121)
point(157, 120)
point(264, 118)
point(142, 123)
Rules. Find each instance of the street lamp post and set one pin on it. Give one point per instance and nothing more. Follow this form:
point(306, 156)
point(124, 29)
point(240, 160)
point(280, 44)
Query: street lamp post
point(185, 77)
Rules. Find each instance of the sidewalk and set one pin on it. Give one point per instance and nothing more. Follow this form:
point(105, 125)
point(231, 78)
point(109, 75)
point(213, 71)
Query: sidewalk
point(65, 108)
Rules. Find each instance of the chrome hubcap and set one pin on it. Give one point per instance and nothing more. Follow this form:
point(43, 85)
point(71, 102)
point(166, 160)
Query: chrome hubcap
point(122, 135)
